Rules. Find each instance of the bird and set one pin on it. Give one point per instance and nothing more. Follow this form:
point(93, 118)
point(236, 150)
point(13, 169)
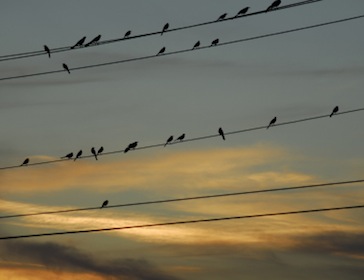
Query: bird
point(214, 42)
point(69, 156)
point(104, 204)
point(47, 50)
point(79, 42)
point(180, 138)
point(221, 132)
point(25, 162)
point(169, 140)
point(93, 41)
point(65, 67)
point(196, 45)
point(127, 34)
point(78, 155)
point(242, 12)
point(223, 16)
point(274, 5)
point(100, 150)
point(162, 50)
point(334, 111)
point(272, 122)
point(165, 27)
point(133, 145)
point(94, 152)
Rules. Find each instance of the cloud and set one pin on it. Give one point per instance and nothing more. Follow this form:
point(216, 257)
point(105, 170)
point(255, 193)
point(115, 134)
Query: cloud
point(63, 258)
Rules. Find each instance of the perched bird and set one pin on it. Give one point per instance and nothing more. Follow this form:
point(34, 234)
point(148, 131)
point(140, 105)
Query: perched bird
point(25, 162)
point(100, 150)
point(221, 132)
point(274, 5)
point(181, 137)
point(169, 140)
point(133, 145)
point(79, 43)
point(65, 67)
point(162, 50)
point(242, 12)
point(127, 34)
point(93, 41)
point(334, 111)
point(165, 27)
point(214, 42)
point(272, 122)
point(196, 45)
point(104, 204)
point(47, 50)
point(78, 155)
point(223, 16)
point(69, 156)
point(94, 152)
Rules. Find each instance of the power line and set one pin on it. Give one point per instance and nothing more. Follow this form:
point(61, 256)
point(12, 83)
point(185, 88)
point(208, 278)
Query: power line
point(185, 222)
point(188, 140)
point(182, 51)
point(187, 198)
point(68, 48)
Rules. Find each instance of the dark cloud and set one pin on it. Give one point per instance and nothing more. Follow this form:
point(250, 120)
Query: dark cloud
point(66, 258)
point(345, 243)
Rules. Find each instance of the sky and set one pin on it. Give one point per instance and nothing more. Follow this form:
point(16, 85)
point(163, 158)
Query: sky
point(237, 86)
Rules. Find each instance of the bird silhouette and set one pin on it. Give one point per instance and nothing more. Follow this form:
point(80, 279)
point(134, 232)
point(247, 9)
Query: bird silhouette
point(162, 50)
point(133, 145)
point(272, 122)
point(69, 156)
point(196, 45)
point(169, 140)
point(127, 149)
point(94, 152)
point(47, 50)
point(274, 5)
point(180, 138)
point(165, 27)
point(242, 12)
point(65, 67)
point(100, 150)
point(127, 34)
point(221, 132)
point(334, 111)
point(25, 162)
point(223, 16)
point(78, 155)
point(79, 43)
point(104, 204)
point(214, 42)
point(93, 41)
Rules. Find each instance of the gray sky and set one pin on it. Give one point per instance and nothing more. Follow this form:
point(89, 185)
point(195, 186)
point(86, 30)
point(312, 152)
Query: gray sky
point(236, 86)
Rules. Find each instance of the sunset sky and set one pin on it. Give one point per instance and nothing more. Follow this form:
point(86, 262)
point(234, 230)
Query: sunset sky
point(236, 86)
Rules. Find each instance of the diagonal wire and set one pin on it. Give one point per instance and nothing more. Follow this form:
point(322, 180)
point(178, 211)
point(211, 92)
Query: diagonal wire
point(184, 222)
point(187, 198)
point(68, 48)
point(190, 139)
point(182, 51)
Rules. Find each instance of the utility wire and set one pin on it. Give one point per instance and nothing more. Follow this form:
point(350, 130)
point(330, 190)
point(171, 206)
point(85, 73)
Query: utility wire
point(68, 48)
point(188, 198)
point(181, 51)
point(187, 140)
point(184, 222)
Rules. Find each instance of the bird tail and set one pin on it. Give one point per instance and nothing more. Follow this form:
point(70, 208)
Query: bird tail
point(223, 137)
point(268, 9)
point(96, 157)
point(331, 114)
point(75, 158)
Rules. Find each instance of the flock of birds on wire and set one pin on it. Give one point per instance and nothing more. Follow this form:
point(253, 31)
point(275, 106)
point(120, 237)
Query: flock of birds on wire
point(133, 145)
point(94, 41)
point(170, 139)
